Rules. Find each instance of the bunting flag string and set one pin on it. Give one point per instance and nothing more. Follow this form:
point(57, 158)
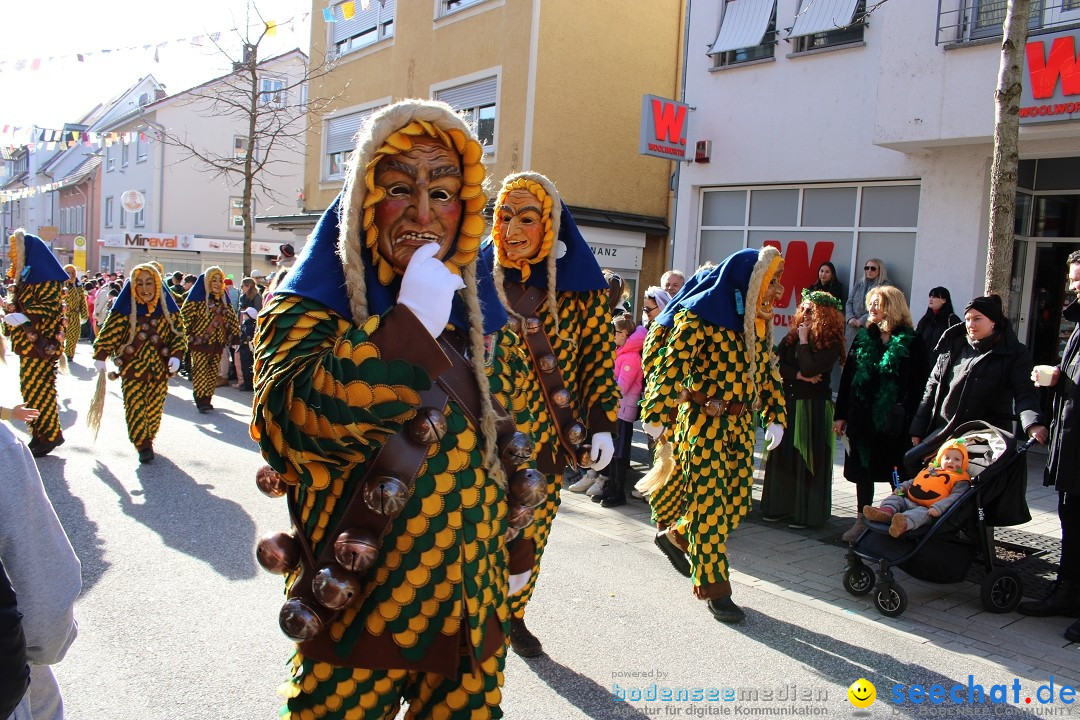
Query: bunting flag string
point(37, 138)
point(27, 64)
point(348, 9)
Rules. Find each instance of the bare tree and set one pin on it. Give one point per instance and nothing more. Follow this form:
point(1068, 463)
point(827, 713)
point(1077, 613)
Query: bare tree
point(271, 121)
point(1003, 170)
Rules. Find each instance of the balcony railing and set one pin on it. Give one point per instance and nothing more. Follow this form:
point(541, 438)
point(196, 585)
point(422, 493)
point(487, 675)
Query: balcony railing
point(963, 21)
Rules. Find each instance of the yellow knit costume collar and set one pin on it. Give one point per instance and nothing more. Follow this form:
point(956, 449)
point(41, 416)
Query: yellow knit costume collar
point(546, 242)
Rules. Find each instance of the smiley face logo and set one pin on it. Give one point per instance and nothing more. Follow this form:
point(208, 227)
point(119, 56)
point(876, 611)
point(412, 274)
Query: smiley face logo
point(862, 693)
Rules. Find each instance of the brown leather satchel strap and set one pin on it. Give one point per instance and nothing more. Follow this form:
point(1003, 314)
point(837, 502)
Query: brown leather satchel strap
point(714, 406)
point(526, 301)
point(459, 383)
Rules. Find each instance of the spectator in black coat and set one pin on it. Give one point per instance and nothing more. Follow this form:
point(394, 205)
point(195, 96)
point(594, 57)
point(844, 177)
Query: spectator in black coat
point(938, 318)
point(1063, 468)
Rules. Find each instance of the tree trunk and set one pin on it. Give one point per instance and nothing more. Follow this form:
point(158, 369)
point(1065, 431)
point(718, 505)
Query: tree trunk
point(1003, 170)
point(251, 61)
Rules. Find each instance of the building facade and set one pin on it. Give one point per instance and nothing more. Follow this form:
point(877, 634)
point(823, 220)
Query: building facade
point(546, 90)
point(838, 136)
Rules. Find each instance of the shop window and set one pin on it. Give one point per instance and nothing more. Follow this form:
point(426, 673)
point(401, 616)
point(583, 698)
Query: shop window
point(828, 207)
point(340, 133)
point(477, 102)
point(828, 24)
point(890, 206)
point(964, 20)
point(778, 208)
point(747, 32)
point(360, 28)
point(723, 207)
point(236, 213)
point(140, 216)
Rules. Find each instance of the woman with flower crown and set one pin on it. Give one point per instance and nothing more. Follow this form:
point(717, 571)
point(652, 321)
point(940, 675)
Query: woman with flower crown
point(798, 473)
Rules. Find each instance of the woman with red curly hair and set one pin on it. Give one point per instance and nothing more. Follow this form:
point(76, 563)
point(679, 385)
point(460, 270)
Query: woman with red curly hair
point(798, 474)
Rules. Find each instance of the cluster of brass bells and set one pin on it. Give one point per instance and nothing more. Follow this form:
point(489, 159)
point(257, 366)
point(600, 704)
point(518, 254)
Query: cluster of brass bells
point(526, 490)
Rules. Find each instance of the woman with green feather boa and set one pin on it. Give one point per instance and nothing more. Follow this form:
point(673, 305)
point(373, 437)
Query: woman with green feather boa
point(880, 390)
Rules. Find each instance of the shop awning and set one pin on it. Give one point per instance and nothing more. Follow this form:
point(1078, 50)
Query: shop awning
point(743, 25)
point(818, 16)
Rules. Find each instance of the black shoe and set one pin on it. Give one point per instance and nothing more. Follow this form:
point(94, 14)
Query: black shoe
point(676, 556)
point(522, 641)
point(146, 454)
point(44, 447)
point(1062, 599)
point(614, 500)
point(1072, 633)
point(724, 610)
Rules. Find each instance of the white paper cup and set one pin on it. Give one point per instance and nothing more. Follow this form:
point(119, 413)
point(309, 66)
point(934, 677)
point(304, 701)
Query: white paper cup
point(1044, 375)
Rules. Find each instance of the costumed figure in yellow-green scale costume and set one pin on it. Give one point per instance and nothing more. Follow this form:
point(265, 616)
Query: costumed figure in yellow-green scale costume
point(75, 311)
point(558, 299)
point(33, 323)
point(708, 381)
point(210, 323)
point(142, 334)
point(375, 362)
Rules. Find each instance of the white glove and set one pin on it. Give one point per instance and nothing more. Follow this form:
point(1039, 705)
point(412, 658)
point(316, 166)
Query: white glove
point(773, 435)
point(174, 365)
point(653, 430)
point(427, 288)
point(251, 312)
point(603, 449)
point(519, 581)
point(99, 365)
point(15, 319)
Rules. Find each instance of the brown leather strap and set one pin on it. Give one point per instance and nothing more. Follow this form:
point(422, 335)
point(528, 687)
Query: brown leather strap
point(526, 301)
point(714, 406)
point(41, 347)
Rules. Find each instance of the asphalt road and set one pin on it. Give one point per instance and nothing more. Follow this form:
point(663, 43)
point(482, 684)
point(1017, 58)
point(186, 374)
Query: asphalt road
point(178, 621)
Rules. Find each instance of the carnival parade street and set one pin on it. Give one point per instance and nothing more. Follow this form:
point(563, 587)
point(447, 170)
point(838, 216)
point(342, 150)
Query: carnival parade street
point(176, 619)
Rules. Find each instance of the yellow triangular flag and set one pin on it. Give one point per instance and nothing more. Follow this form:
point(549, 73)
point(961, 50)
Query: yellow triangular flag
point(348, 9)
point(271, 28)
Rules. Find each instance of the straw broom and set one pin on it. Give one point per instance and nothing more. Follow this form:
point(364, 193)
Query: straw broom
point(662, 470)
point(97, 405)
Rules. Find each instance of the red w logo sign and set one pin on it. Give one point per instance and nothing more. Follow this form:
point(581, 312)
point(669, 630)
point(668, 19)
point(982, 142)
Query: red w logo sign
point(1044, 71)
point(800, 270)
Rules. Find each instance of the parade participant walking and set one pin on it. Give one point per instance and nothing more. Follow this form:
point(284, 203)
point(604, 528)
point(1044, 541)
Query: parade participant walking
point(143, 336)
point(211, 324)
point(710, 380)
point(550, 280)
point(34, 324)
point(384, 435)
point(75, 312)
point(798, 474)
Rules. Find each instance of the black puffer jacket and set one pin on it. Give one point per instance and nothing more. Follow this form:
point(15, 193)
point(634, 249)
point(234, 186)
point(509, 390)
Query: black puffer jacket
point(991, 383)
point(14, 672)
point(1063, 465)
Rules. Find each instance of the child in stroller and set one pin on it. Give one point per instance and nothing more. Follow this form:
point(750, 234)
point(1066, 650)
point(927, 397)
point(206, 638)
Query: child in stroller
point(928, 494)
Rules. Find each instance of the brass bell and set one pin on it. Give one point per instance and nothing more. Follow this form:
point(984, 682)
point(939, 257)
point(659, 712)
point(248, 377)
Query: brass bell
point(335, 587)
point(511, 533)
point(533, 325)
point(118, 361)
point(386, 495)
point(278, 553)
point(712, 407)
point(270, 482)
point(528, 487)
point(128, 350)
point(155, 338)
point(299, 621)
point(428, 427)
point(584, 458)
point(514, 325)
point(684, 395)
point(547, 364)
point(164, 352)
point(519, 516)
point(31, 335)
point(356, 549)
point(518, 449)
point(561, 397)
point(141, 335)
point(575, 433)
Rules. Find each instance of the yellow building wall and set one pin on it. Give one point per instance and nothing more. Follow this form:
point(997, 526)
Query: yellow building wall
point(596, 60)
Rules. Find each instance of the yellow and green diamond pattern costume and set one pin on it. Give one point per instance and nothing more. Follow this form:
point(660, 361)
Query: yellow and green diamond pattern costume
point(43, 303)
point(77, 313)
point(714, 455)
point(325, 402)
point(585, 349)
point(145, 376)
point(197, 316)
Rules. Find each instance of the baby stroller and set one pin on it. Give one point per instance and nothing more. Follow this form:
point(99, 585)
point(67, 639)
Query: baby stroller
point(943, 550)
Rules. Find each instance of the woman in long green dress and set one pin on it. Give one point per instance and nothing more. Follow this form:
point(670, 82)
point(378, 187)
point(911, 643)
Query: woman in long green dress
point(798, 474)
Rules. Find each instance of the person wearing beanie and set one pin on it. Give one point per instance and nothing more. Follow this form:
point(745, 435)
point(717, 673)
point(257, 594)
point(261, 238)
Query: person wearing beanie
point(211, 324)
point(75, 311)
point(928, 495)
point(982, 372)
point(33, 323)
point(708, 383)
point(380, 384)
point(556, 292)
point(143, 335)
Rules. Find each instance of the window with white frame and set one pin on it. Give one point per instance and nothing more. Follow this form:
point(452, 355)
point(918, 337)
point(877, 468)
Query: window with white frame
point(477, 102)
point(822, 24)
point(340, 133)
point(240, 148)
point(124, 150)
point(354, 28)
point(963, 20)
point(109, 211)
point(449, 7)
point(272, 91)
point(236, 213)
point(747, 32)
point(110, 158)
point(140, 148)
point(140, 216)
